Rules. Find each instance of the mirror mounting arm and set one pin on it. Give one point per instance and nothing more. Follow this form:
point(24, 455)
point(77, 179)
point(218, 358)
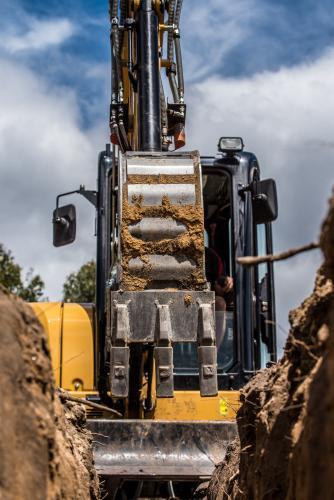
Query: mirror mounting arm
point(91, 196)
point(242, 189)
point(64, 217)
point(57, 219)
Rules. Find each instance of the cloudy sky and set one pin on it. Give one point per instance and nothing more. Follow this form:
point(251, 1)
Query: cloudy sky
point(262, 69)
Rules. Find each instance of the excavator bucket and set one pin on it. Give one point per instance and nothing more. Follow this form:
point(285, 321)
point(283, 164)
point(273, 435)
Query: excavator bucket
point(163, 296)
point(159, 450)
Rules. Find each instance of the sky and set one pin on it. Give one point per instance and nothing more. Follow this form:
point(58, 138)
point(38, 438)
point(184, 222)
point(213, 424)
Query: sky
point(260, 69)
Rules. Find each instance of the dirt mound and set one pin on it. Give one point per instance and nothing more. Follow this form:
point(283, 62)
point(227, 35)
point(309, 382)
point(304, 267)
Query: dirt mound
point(286, 431)
point(45, 450)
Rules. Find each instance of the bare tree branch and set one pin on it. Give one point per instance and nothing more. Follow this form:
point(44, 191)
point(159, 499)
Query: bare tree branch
point(68, 397)
point(251, 261)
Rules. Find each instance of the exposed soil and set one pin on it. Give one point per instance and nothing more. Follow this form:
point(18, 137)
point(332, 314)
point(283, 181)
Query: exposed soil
point(161, 179)
point(190, 243)
point(286, 421)
point(45, 450)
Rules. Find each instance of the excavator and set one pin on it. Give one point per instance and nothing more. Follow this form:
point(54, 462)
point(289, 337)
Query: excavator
point(178, 325)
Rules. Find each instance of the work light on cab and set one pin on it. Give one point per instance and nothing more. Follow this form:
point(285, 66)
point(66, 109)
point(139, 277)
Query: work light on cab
point(230, 145)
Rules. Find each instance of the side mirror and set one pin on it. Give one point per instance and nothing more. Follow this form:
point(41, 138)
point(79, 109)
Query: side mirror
point(64, 225)
point(264, 201)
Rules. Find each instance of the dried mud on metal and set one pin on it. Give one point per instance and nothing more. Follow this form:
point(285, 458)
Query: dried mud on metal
point(189, 243)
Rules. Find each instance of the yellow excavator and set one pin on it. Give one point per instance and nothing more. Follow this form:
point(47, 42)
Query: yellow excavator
point(178, 326)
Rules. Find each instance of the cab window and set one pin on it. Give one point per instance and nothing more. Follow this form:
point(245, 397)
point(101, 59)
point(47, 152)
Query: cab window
point(218, 269)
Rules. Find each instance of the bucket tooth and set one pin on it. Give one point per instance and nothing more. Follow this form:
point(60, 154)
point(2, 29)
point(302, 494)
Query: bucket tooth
point(207, 358)
point(119, 371)
point(207, 351)
point(164, 371)
point(206, 327)
point(120, 352)
point(163, 353)
point(122, 326)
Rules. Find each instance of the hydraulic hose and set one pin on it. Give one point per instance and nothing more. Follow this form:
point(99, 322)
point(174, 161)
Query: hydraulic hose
point(173, 86)
point(123, 135)
point(113, 8)
point(122, 22)
point(130, 62)
point(178, 12)
point(179, 66)
point(164, 117)
point(170, 45)
point(164, 120)
point(178, 53)
point(115, 45)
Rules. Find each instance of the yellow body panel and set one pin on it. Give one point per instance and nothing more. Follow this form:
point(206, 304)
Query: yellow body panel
point(77, 348)
point(50, 317)
point(70, 332)
point(189, 405)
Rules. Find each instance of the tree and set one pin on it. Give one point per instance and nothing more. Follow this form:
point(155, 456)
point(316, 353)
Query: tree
point(80, 286)
point(30, 288)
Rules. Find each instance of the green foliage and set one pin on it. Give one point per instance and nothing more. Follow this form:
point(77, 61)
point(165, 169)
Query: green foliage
point(80, 286)
point(29, 289)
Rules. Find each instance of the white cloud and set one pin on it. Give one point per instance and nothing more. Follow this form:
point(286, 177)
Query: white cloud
point(212, 29)
point(286, 119)
point(43, 152)
point(38, 35)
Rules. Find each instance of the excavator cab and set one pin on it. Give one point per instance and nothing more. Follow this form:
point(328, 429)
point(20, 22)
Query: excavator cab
point(225, 218)
point(178, 402)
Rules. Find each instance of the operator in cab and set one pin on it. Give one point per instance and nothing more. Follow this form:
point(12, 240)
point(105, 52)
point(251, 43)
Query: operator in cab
point(220, 283)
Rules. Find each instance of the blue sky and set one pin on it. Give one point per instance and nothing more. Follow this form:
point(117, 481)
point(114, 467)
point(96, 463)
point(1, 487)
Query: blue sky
point(257, 68)
point(230, 39)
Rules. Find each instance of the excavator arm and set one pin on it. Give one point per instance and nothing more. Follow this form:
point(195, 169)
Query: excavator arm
point(146, 52)
point(157, 292)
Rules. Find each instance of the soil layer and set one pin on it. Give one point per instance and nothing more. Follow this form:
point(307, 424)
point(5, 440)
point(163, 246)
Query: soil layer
point(286, 433)
point(45, 450)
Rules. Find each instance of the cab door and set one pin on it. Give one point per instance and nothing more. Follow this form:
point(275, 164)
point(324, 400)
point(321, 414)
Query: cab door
point(265, 337)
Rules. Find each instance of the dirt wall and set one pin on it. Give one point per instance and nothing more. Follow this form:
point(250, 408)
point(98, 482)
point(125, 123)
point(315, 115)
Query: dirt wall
point(45, 450)
point(286, 422)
